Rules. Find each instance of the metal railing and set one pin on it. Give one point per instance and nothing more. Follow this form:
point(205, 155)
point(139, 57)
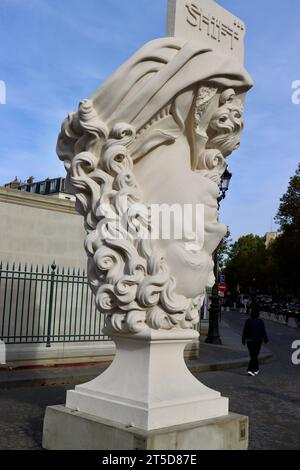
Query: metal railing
point(51, 305)
point(48, 305)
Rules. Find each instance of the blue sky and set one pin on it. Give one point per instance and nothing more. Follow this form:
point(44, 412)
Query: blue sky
point(56, 52)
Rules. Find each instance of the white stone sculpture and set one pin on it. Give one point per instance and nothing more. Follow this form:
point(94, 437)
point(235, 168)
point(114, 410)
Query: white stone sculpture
point(158, 131)
point(165, 122)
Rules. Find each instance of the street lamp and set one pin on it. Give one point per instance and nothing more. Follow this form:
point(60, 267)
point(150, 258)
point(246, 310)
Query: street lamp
point(213, 336)
point(224, 185)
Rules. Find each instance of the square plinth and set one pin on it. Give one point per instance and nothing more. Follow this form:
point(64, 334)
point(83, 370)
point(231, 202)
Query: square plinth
point(65, 429)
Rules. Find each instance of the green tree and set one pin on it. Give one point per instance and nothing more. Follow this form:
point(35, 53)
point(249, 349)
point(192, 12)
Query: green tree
point(276, 269)
point(288, 216)
point(245, 266)
point(285, 250)
point(284, 253)
point(224, 249)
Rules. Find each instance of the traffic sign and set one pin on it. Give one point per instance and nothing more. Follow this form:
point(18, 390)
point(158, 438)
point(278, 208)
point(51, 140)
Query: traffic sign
point(222, 287)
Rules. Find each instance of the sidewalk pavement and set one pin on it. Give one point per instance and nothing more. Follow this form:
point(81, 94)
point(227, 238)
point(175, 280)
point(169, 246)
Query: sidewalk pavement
point(231, 354)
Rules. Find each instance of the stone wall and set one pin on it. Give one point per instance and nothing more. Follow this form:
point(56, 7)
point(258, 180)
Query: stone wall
point(39, 229)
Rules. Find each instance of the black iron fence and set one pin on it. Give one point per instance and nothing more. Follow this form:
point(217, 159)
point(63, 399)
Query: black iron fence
point(47, 305)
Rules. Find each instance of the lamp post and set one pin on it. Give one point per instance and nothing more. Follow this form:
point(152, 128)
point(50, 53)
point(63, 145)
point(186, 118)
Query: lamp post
point(224, 185)
point(213, 336)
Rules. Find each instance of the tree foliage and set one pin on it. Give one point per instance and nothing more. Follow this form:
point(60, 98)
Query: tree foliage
point(276, 269)
point(224, 249)
point(245, 263)
point(288, 216)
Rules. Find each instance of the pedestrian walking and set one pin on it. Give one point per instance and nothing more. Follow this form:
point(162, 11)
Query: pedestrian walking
point(254, 334)
point(248, 306)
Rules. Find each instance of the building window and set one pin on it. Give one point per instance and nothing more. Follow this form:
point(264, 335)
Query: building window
point(53, 185)
point(42, 187)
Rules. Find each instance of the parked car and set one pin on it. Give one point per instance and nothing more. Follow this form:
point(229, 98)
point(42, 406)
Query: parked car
point(264, 303)
point(292, 311)
point(289, 310)
point(277, 308)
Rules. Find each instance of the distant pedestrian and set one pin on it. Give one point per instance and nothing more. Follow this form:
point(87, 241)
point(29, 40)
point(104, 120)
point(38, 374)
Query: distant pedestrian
point(254, 334)
point(248, 306)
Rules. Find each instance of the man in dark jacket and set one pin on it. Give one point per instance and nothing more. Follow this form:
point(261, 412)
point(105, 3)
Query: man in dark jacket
point(254, 334)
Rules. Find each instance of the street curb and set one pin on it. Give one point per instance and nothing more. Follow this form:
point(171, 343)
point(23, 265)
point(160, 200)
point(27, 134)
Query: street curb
point(74, 379)
point(226, 365)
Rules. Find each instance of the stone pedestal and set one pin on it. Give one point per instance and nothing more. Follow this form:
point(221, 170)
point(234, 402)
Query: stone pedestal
point(147, 399)
point(65, 429)
point(148, 386)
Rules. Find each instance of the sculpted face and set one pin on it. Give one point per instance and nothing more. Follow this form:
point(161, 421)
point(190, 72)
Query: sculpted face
point(166, 177)
point(227, 124)
point(173, 182)
point(157, 133)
